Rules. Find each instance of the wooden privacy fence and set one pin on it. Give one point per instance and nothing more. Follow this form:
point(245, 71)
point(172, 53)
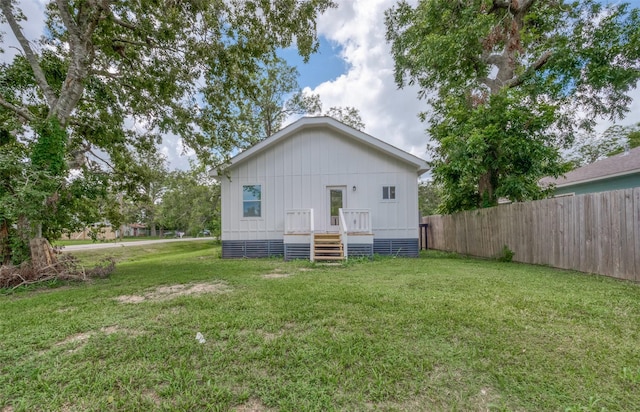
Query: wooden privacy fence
point(595, 233)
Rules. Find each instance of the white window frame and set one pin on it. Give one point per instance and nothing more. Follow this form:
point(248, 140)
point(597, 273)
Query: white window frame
point(242, 200)
point(389, 192)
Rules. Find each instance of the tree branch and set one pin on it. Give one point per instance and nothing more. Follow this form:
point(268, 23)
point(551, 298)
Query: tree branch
point(525, 6)
point(31, 57)
point(20, 111)
point(122, 23)
point(67, 19)
point(494, 59)
point(101, 159)
point(518, 7)
point(517, 81)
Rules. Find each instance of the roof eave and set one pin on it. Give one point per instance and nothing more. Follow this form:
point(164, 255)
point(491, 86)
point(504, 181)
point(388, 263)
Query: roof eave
point(598, 178)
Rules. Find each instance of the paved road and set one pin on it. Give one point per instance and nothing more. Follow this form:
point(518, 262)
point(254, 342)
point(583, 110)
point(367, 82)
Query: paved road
point(90, 246)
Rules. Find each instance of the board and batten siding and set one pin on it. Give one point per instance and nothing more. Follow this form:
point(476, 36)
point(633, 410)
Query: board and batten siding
point(295, 174)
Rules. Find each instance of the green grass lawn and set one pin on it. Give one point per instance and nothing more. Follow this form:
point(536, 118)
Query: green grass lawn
point(434, 333)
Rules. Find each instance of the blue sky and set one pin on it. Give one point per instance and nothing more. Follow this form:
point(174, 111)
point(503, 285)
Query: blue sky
point(325, 65)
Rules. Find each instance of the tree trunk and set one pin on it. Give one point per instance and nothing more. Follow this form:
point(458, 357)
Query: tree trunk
point(42, 254)
point(485, 189)
point(5, 247)
point(153, 230)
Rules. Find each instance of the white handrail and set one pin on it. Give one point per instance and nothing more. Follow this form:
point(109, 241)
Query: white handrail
point(343, 234)
point(298, 221)
point(358, 220)
point(312, 242)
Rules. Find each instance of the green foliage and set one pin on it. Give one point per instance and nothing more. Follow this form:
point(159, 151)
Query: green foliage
point(48, 152)
point(239, 115)
point(507, 142)
point(256, 109)
point(191, 203)
point(510, 83)
point(30, 196)
point(593, 147)
point(347, 115)
point(429, 198)
point(506, 254)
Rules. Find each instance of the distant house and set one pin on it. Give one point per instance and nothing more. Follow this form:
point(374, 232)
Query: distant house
point(621, 171)
point(319, 189)
point(104, 231)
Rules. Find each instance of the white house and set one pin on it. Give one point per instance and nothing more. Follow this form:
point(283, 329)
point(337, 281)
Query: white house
point(320, 190)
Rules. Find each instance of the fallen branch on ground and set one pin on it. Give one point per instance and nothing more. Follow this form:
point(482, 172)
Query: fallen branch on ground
point(66, 268)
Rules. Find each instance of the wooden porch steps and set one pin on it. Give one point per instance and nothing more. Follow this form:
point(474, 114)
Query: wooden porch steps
point(328, 246)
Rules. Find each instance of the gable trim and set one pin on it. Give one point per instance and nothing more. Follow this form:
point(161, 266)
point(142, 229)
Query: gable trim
point(323, 121)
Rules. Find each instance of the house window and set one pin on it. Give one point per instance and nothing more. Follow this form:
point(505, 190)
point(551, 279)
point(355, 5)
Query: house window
point(252, 201)
point(388, 192)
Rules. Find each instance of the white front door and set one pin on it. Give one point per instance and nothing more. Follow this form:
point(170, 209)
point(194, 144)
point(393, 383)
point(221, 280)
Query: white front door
point(337, 198)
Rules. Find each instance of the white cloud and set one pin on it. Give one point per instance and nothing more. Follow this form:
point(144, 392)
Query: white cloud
point(388, 113)
point(32, 28)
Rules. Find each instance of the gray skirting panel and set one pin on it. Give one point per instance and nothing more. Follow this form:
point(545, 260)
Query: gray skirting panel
point(396, 247)
point(252, 248)
point(297, 251)
point(269, 248)
point(360, 249)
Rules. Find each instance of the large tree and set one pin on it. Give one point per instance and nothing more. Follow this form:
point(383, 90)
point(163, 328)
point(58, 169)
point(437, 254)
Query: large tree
point(109, 76)
point(510, 82)
point(260, 111)
point(348, 115)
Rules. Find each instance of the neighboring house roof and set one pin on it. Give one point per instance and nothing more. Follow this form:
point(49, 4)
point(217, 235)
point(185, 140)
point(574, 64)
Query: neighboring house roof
point(331, 123)
point(619, 165)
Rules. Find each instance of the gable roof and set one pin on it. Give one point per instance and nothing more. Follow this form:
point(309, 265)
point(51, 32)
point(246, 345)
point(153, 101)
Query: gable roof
point(614, 166)
point(330, 123)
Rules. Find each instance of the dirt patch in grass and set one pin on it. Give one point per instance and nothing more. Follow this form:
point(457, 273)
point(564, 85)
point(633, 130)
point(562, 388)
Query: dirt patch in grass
point(109, 330)
point(276, 275)
point(269, 336)
point(173, 291)
point(252, 405)
point(152, 396)
point(79, 339)
point(66, 310)
point(485, 400)
point(130, 299)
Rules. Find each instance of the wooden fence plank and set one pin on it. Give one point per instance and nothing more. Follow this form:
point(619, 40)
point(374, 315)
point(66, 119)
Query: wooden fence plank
point(616, 238)
point(636, 226)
